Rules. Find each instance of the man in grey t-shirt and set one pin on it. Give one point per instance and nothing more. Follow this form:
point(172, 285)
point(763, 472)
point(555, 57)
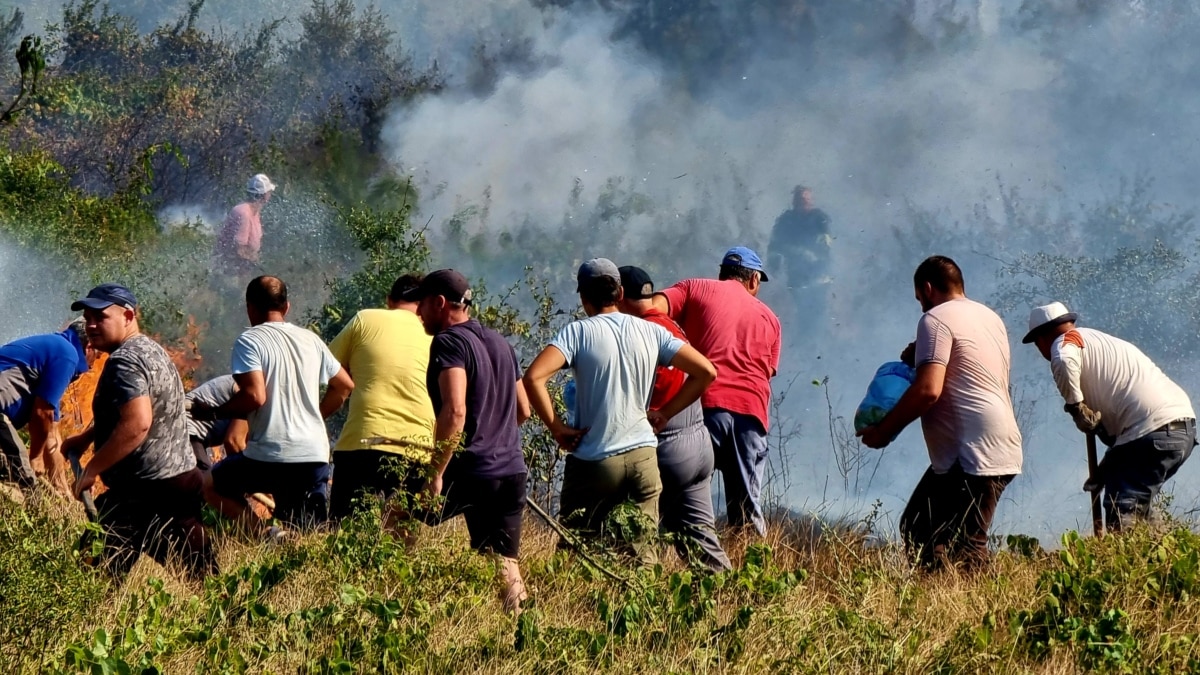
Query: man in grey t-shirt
point(154, 491)
point(209, 433)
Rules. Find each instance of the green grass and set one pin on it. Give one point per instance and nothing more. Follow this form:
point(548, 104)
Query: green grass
point(358, 601)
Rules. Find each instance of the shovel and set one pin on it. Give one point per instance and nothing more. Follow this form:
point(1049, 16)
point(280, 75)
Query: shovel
point(1097, 506)
point(89, 505)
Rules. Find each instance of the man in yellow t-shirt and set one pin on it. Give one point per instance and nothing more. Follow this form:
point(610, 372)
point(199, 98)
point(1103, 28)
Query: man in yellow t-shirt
point(388, 436)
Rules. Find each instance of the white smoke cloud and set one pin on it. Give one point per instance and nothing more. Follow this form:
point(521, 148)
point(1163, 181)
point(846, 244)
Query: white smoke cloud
point(870, 138)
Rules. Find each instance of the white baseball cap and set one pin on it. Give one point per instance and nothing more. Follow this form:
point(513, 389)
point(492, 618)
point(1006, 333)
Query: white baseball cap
point(260, 185)
point(1047, 315)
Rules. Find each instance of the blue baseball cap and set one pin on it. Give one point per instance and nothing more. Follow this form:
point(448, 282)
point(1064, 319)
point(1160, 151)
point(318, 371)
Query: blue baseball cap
point(740, 256)
point(106, 295)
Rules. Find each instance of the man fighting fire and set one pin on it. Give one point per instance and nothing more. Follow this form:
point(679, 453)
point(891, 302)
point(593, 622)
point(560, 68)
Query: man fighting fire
point(961, 395)
point(1115, 391)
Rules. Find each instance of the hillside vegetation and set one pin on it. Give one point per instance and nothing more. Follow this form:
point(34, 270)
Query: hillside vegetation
point(807, 599)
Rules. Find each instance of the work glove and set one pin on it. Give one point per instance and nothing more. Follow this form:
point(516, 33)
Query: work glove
point(1086, 419)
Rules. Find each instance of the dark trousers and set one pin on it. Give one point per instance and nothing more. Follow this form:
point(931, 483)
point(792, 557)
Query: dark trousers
point(359, 475)
point(14, 456)
point(947, 518)
point(1134, 473)
point(160, 518)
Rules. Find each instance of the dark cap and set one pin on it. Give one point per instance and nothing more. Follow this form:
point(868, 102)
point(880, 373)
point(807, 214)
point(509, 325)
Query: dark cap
point(636, 282)
point(740, 256)
point(106, 295)
point(447, 283)
point(596, 268)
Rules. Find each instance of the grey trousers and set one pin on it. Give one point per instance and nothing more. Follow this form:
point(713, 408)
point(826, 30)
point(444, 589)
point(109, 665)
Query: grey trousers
point(686, 464)
point(14, 456)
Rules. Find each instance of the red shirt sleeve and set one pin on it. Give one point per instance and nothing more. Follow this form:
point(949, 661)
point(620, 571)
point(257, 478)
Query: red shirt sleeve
point(677, 297)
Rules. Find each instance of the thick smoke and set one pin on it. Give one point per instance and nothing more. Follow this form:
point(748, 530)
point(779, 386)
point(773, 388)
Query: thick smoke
point(1005, 107)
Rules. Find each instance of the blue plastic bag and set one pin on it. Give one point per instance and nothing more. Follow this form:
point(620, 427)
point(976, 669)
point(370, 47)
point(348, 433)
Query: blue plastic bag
point(889, 384)
point(569, 403)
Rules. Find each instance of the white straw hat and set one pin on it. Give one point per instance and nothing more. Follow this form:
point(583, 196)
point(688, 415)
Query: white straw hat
point(1045, 316)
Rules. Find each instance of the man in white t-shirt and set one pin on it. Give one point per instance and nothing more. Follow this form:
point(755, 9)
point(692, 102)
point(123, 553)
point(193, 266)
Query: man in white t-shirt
point(614, 357)
point(279, 369)
point(961, 395)
point(1115, 391)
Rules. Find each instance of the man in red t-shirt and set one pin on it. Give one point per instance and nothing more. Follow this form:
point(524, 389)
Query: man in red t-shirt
point(725, 321)
point(240, 239)
point(685, 451)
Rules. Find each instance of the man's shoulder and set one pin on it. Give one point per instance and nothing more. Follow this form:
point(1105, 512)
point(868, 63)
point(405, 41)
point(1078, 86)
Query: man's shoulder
point(965, 316)
point(138, 348)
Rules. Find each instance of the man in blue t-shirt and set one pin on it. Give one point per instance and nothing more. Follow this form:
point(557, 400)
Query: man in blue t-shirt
point(614, 357)
point(478, 467)
point(34, 374)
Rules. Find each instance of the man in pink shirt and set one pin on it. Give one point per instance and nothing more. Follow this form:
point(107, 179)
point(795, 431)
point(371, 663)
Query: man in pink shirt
point(240, 238)
point(961, 395)
point(725, 321)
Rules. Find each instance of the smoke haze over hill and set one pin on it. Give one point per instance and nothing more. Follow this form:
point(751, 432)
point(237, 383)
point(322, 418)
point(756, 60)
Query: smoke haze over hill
point(660, 133)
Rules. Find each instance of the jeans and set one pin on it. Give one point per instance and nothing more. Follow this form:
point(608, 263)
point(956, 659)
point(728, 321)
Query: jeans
point(1133, 473)
point(740, 445)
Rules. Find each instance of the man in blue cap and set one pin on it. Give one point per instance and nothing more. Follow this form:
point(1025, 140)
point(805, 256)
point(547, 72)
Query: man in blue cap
point(34, 374)
point(725, 321)
point(142, 453)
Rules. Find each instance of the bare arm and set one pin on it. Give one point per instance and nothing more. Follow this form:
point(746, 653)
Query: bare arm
point(925, 391)
point(235, 436)
point(550, 361)
point(45, 444)
point(136, 416)
point(451, 419)
point(660, 303)
point(336, 393)
point(524, 412)
point(701, 373)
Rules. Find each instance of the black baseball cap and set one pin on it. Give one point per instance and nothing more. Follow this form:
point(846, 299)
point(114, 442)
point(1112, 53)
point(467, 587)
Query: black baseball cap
point(106, 295)
point(449, 284)
point(636, 282)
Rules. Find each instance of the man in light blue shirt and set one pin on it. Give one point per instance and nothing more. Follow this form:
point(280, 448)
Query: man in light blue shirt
point(279, 369)
point(614, 357)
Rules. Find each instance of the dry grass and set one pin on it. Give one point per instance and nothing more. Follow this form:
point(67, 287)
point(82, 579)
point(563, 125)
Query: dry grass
point(848, 606)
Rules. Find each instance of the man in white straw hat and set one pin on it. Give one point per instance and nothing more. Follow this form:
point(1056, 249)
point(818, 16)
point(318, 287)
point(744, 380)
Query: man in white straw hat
point(240, 239)
point(1114, 390)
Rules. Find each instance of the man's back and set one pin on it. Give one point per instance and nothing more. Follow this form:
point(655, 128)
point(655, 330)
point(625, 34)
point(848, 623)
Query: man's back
point(213, 393)
point(1133, 396)
point(738, 333)
point(242, 228)
point(386, 351)
point(973, 421)
point(295, 364)
point(41, 366)
point(141, 367)
point(614, 357)
point(491, 440)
